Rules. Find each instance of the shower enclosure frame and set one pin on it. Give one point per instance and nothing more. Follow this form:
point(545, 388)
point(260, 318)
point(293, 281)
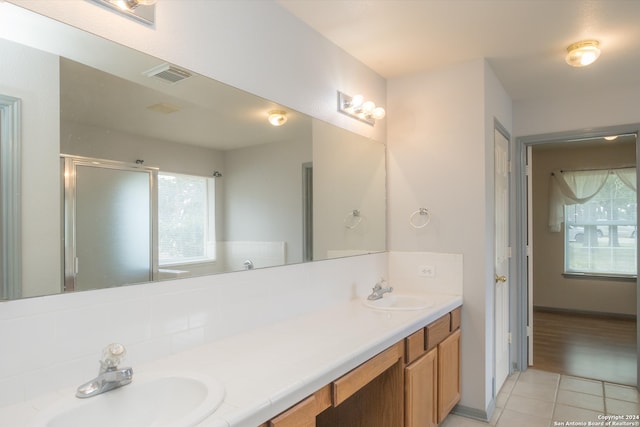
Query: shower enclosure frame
point(69, 164)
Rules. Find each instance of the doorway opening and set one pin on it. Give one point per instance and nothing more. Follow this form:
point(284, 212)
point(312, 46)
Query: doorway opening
point(566, 316)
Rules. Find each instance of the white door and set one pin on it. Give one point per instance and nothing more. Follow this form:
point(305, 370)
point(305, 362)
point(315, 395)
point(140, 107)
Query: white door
point(502, 253)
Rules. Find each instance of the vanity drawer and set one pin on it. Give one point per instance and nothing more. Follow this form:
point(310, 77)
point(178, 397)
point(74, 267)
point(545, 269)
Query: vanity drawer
point(305, 412)
point(438, 331)
point(350, 383)
point(455, 318)
point(414, 346)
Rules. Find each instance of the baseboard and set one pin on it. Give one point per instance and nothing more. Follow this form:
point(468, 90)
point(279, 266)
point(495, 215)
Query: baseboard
point(584, 312)
point(474, 413)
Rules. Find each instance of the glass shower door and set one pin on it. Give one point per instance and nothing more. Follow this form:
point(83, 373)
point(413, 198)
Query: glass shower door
point(110, 225)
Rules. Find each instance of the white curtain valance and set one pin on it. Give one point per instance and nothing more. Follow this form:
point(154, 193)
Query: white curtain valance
point(577, 187)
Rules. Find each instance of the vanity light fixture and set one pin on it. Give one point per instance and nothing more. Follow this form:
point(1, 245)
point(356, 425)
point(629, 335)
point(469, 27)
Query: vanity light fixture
point(582, 53)
point(277, 117)
point(141, 10)
point(356, 107)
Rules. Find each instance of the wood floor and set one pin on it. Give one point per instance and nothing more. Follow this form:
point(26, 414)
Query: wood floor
point(602, 348)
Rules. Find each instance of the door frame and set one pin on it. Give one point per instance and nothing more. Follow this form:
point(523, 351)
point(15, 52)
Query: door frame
point(520, 209)
point(10, 198)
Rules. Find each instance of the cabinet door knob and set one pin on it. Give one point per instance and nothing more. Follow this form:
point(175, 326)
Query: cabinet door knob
point(501, 279)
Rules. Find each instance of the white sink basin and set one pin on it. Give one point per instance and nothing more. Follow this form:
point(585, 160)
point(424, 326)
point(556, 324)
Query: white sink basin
point(180, 400)
point(399, 302)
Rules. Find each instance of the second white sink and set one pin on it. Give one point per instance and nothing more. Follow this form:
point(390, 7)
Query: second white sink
point(399, 302)
point(182, 400)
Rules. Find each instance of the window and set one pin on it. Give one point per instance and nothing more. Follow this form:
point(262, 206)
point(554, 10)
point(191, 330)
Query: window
point(186, 222)
point(600, 234)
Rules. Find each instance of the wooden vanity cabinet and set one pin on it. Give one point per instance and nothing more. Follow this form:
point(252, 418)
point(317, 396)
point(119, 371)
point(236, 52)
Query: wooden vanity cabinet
point(421, 391)
point(448, 374)
point(414, 383)
point(432, 381)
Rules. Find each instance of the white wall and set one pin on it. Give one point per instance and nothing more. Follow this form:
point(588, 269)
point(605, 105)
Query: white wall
point(33, 77)
point(91, 141)
point(348, 174)
point(584, 111)
point(440, 157)
point(263, 185)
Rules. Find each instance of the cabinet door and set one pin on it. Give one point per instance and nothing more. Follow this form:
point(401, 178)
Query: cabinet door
point(448, 374)
point(421, 388)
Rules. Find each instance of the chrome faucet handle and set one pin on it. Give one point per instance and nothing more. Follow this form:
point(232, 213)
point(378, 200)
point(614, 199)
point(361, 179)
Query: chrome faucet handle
point(380, 284)
point(112, 355)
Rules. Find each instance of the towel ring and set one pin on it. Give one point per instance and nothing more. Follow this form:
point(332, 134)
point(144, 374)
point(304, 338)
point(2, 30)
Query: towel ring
point(353, 219)
point(421, 212)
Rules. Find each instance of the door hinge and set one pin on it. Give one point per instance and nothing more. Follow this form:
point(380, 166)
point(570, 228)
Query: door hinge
point(509, 338)
point(528, 250)
point(529, 331)
point(509, 252)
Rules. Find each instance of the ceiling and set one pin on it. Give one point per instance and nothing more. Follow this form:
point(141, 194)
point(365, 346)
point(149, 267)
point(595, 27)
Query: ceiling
point(203, 112)
point(524, 41)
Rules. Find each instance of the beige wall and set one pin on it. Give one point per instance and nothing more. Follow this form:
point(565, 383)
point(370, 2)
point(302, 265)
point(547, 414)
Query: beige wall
point(551, 288)
point(440, 157)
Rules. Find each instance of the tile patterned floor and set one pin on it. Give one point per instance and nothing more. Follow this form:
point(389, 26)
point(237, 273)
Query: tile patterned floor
point(542, 399)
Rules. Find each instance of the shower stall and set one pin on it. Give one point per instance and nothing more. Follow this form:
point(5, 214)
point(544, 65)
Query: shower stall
point(110, 225)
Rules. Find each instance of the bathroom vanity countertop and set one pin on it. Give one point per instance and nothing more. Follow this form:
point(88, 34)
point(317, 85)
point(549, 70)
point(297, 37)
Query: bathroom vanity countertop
point(269, 369)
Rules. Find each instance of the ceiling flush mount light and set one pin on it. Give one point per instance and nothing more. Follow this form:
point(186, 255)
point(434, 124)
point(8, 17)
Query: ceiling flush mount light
point(582, 53)
point(141, 10)
point(356, 107)
point(277, 117)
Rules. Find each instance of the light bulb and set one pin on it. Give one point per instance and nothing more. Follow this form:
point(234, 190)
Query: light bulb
point(378, 113)
point(122, 4)
point(277, 117)
point(582, 53)
point(368, 107)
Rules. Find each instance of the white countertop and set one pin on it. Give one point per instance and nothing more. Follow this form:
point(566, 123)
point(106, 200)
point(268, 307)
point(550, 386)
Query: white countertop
point(269, 369)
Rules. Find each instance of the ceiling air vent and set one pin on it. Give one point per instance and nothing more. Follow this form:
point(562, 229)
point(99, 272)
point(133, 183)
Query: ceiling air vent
point(168, 73)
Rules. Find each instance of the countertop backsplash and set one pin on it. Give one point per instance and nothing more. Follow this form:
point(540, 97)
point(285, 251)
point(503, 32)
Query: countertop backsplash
point(56, 341)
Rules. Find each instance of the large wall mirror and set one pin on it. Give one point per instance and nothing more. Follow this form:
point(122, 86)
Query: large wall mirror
point(134, 170)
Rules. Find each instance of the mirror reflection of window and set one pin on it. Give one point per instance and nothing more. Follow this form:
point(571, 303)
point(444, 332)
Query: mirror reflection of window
point(186, 219)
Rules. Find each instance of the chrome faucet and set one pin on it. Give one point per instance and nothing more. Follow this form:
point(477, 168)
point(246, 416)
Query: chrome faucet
point(248, 265)
point(378, 291)
point(110, 376)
